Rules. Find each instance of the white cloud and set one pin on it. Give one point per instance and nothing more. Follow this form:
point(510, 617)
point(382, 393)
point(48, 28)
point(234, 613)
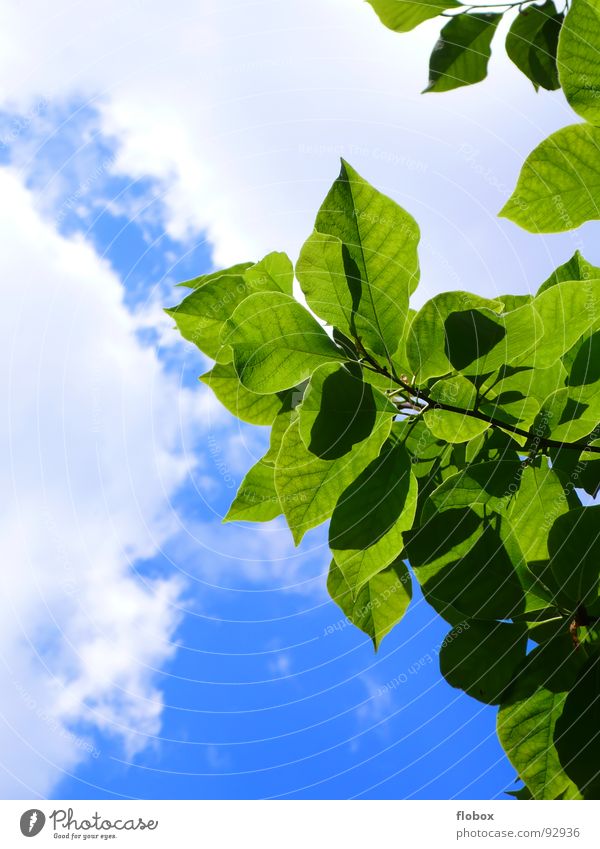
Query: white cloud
point(242, 109)
point(243, 554)
point(92, 430)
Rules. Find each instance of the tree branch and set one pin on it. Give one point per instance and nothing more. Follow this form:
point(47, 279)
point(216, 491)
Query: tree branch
point(415, 392)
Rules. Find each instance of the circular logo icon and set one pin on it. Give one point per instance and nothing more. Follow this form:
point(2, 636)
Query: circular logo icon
point(32, 822)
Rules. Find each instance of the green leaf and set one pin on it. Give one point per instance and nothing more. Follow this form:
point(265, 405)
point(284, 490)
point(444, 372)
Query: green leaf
point(586, 473)
point(246, 405)
point(491, 485)
point(559, 185)
point(577, 731)
point(309, 487)
point(201, 316)
point(462, 52)
point(574, 545)
point(431, 458)
point(563, 419)
point(449, 426)
point(523, 793)
point(518, 411)
point(481, 658)
point(511, 384)
point(581, 470)
point(424, 448)
point(197, 282)
point(340, 410)
point(274, 273)
point(256, 499)
point(379, 605)
point(284, 418)
point(491, 445)
point(370, 516)
point(540, 499)
point(404, 15)
point(464, 568)
point(276, 343)
point(528, 716)
point(513, 302)
point(578, 58)
point(576, 268)
point(532, 42)
point(567, 310)
point(584, 369)
point(478, 342)
point(585, 361)
point(426, 338)
point(359, 267)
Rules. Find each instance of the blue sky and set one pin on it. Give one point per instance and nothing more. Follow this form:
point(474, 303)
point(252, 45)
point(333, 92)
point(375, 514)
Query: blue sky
point(162, 654)
point(271, 692)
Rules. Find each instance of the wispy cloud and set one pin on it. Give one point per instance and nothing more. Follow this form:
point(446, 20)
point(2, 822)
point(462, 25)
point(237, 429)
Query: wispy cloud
point(239, 113)
point(97, 439)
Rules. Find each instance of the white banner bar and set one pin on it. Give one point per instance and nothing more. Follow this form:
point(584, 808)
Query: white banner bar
point(300, 824)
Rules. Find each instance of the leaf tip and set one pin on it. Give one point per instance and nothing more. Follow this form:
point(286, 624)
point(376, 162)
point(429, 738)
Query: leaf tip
point(504, 212)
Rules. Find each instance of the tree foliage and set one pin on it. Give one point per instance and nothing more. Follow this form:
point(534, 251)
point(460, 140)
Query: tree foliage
point(559, 185)
point(456, 439)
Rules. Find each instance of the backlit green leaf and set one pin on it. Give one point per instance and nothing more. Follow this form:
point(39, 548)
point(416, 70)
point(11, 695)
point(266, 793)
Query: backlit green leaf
point(273, 273)
point(454, 427)
point(567, 310)
point(540, 499)
point(574, 544)
point(426, 340)
point(256, 499)
point(579, 58)
point(201, 316)
point(461, 55)
point(581, 470)
point(491, 485)
point(276, 342)
point(360, 265)
point(529, 714)
point(576, 733)
point(380, 603)
point(565, 419)
point(365, 534)
point(246, 405)
point(308, 486)
point(340, 410)
point(478, 342)
point(532, 41)
point(464, 568)
point(197, 282)
point(559, 185)
point(512, 384)
point(404, 15)
point(583, 361)
point(481, 658)
point(576, 268)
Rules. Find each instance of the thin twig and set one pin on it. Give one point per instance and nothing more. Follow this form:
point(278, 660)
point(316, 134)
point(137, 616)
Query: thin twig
point(416, 392)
